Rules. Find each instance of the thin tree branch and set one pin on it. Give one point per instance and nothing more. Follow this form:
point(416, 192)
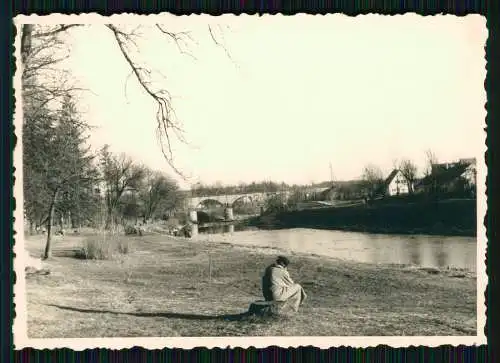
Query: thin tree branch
point(219, 44)
point(178, 38)
point(164, 113)
point(60, 29)
point(126, 84)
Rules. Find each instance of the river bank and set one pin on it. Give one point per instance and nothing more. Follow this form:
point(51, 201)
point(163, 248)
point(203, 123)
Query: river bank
point(431, 251)
point(169, 286)
point(453, 217)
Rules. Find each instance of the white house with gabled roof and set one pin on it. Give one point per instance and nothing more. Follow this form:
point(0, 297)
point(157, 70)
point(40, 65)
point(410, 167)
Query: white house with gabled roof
point(396, 183)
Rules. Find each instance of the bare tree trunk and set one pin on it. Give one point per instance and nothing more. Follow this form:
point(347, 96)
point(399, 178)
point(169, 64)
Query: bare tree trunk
point(27, 30)
point(71, 220)
point(31, 227)
point(109, 218)
point(48, 248)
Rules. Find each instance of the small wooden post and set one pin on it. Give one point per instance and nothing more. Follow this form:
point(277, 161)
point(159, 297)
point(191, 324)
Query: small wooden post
point(209, 268)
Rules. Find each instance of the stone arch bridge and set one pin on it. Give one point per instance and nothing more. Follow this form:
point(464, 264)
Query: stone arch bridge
point(230, 200)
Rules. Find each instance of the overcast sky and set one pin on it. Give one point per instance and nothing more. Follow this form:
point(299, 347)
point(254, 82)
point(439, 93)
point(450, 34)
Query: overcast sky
point(297, 94)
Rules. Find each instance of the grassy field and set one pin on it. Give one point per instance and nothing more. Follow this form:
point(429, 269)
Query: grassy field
point(163, 287)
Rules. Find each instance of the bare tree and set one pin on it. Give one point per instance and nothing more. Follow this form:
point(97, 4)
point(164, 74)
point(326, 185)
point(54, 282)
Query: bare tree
point(409, 171)
point(158, 190)
point(395, 163)
point(431, 161)
point(373, 181)
point(120, 174)
point(431, 173)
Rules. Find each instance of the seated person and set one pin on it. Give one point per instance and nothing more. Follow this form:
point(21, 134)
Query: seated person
point(278, 286)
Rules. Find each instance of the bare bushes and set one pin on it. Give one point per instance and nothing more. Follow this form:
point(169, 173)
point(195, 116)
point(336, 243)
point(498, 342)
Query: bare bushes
point(133, 230)
point(104, 246)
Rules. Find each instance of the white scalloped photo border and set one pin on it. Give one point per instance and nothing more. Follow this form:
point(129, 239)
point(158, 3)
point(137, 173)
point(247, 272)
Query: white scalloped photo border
point(21, 339)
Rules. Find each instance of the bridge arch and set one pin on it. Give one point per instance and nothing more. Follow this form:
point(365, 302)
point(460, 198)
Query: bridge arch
point(203, 202)
point(242, 198)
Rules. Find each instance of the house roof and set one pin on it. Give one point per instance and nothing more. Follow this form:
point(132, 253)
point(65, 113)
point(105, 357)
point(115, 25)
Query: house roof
point(470, 161)
point(391, 176)
point(445, 175)
point(443, 165)
point(451, 165)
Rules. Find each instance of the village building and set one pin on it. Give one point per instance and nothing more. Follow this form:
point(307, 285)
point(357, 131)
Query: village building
point(396, 184)
point(454, 177)
point(470, 172)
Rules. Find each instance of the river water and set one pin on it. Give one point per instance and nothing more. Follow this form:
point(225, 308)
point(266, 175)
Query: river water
point(419, 250)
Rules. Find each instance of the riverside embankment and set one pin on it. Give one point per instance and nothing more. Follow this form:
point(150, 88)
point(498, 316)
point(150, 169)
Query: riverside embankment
point(454, 217)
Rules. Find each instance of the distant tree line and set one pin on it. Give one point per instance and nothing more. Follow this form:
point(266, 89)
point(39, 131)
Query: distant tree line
point(201, 190)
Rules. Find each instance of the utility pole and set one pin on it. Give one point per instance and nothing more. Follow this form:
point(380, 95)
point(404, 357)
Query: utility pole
point(331, 174)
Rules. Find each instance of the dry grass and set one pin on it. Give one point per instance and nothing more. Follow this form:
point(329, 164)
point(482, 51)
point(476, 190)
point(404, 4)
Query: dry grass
point(103, 246)
point(166, 287)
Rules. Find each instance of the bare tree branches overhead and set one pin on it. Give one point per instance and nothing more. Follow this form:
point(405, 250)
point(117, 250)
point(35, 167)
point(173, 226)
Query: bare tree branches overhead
point(39, 56)
point(181, 40)
point(43, 80)
point(59, 29)
point(219, 43)
point(165, 115)
point(42, 48)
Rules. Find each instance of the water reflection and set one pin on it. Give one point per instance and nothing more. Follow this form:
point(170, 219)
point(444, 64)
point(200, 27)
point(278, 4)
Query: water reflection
point(220, 228)
point(441, 255)
point(421, 250)
point(414, 250)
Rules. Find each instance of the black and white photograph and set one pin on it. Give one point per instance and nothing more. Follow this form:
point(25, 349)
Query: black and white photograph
point(188, 181)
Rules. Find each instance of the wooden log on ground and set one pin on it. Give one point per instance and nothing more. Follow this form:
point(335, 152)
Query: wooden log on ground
point(29, 271)
point(269, 308)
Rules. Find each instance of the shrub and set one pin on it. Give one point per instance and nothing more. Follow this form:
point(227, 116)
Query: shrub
point(129, 230)
point(104, 247)
point(275, 205)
